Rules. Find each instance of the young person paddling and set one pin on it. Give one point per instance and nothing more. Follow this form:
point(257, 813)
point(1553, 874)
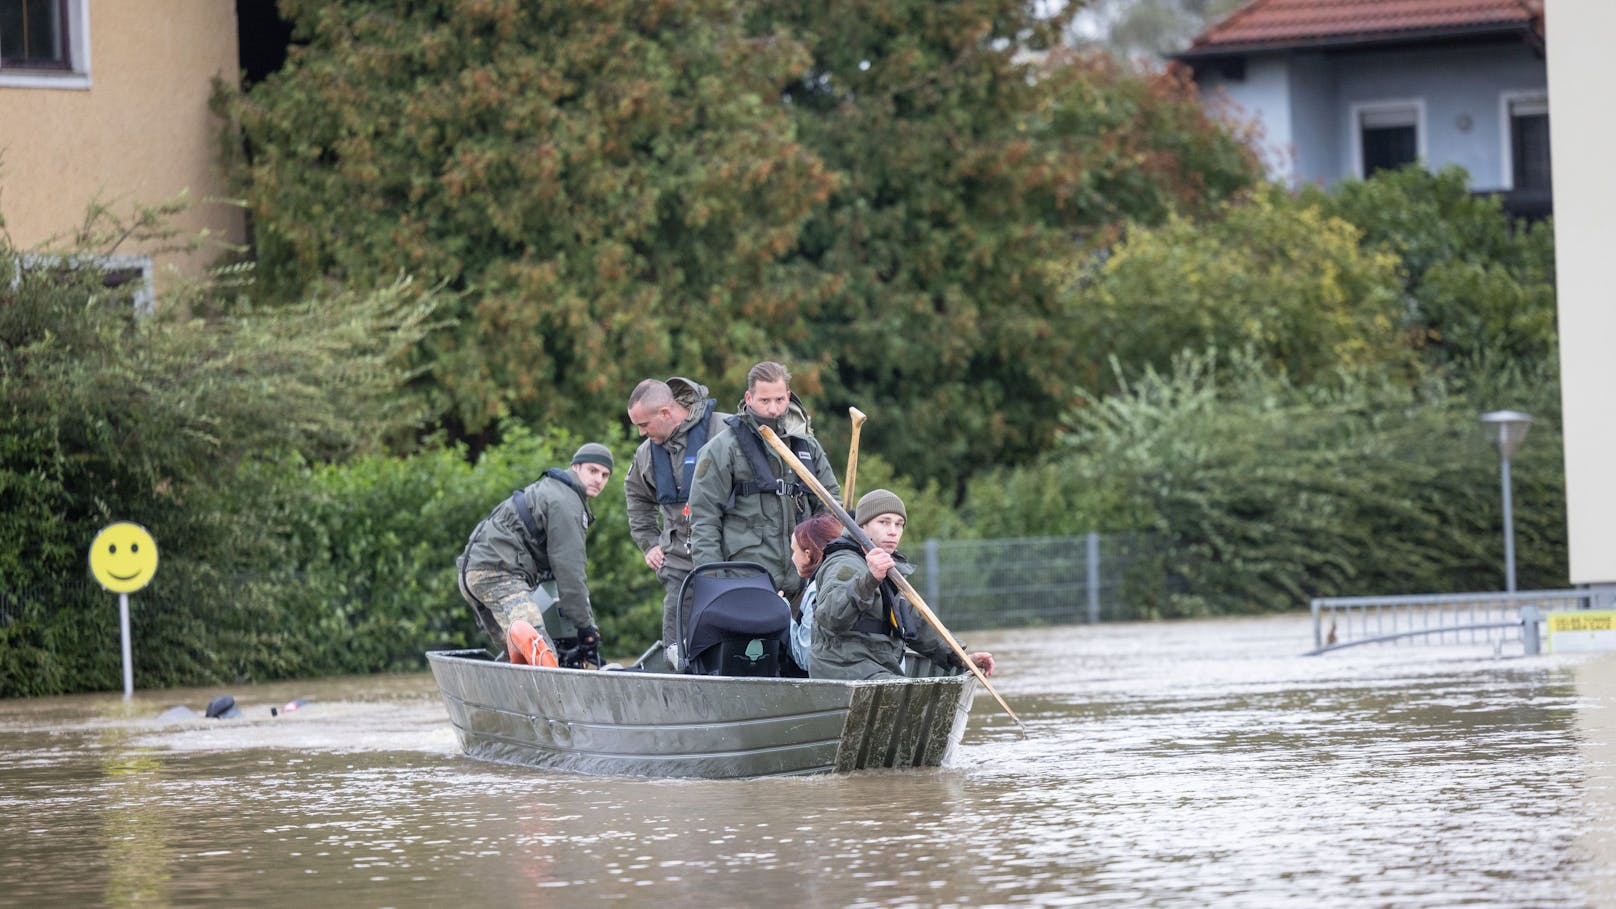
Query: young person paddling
point(861, 623)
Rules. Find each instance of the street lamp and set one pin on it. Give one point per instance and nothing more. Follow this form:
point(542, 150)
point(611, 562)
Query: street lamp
point(1507, 430)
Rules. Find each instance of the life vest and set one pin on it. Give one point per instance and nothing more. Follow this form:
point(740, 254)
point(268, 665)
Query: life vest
point(763, 481)
point(669, 492)
point(897, 623)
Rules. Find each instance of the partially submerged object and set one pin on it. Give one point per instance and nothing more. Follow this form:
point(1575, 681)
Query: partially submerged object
point(661, 725)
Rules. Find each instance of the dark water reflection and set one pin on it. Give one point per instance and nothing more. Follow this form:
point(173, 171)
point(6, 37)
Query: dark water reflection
point(1190, 764)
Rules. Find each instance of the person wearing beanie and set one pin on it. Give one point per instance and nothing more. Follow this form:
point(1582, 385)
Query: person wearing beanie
point(745, 500)
point(862, 624)
point(675, 419)
point(594, 453)
point(878, 502)
point(522, 571)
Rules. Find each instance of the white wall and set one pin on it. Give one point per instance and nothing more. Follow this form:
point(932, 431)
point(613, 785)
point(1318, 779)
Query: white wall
point(1583, 133)
point(1459, 90)
point(1263, 95)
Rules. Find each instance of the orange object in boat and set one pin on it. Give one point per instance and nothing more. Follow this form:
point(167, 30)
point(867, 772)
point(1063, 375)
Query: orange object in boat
point(528, 647)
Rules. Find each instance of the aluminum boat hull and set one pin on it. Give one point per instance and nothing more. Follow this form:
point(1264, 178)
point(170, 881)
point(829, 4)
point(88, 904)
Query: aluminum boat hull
point(658, 725)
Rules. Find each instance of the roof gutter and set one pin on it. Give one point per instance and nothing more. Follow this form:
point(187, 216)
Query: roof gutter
point(1529, 31)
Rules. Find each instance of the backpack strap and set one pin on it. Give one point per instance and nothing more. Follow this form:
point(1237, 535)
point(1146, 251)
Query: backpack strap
point(669, 491)
point(535, 537)
point(763, 480)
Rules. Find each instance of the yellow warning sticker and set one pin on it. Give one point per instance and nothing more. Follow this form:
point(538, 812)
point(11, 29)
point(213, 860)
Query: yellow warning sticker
point(1582, 620)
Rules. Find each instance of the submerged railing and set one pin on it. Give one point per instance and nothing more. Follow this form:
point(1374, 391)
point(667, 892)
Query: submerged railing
point(1448, 618)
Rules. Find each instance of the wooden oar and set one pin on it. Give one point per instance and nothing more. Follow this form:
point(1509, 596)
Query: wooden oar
point(895, 576)
point(849, 479)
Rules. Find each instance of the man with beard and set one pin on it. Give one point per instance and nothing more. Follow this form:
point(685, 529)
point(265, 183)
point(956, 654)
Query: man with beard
point(744, 500)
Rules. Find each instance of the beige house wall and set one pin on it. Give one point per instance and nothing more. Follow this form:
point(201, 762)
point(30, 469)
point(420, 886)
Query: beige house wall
point(139, 135)
point(1581, 135)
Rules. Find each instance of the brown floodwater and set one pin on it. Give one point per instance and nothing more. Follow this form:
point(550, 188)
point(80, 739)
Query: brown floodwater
point(1198, 763)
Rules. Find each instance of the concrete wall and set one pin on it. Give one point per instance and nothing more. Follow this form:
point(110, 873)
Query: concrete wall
point(1582, 134)
point(141, 132)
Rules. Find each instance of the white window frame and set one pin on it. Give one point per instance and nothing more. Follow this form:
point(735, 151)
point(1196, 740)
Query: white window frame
point(1356, 113)
point(77, 75)
point(1506, 120)
point(145, 297)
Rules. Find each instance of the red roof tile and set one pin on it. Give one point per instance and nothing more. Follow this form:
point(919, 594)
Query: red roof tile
point(1291, 22)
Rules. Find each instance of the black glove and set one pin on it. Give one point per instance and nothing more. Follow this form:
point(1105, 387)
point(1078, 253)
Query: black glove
point(582, 652)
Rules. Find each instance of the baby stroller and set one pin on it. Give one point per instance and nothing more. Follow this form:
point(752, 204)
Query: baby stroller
point(735, 625)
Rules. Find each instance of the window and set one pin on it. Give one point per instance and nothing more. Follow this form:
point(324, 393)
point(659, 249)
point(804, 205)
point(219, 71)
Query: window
point(1388, 136)
point(1527, 147)
point(131, 273)
point(44, 43)
point(33, 34)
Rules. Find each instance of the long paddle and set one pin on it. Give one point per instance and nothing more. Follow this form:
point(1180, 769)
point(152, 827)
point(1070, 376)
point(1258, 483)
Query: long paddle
point(863, 539)
point(851, 477)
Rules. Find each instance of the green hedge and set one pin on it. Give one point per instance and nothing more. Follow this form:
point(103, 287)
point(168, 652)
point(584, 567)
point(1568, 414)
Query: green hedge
point(1260, 494)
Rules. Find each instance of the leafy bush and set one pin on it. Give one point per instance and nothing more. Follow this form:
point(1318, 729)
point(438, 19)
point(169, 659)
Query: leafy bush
point(1262, 493)
point(1477, 284)
point(107, 414)
point(1286, 281)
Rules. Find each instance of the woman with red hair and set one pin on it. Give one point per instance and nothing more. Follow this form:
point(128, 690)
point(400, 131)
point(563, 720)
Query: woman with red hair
point(808, 541)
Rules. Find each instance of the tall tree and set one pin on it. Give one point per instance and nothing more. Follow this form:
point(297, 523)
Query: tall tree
point(610, 185)
point(973, 167)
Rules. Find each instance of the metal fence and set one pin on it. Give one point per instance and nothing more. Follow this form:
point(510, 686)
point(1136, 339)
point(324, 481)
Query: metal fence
point(1496, 618)
point(1009, 583)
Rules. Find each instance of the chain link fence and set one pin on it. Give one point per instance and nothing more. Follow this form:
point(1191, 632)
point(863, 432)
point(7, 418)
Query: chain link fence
point(1011, 583)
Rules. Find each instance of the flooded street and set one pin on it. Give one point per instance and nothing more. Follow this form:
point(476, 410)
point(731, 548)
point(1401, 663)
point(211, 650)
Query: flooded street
point(1201, 763)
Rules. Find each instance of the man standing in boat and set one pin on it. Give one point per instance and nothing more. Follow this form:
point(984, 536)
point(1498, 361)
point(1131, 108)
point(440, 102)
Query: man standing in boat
point(744, 500)
point(676, 419)
point(522, 570)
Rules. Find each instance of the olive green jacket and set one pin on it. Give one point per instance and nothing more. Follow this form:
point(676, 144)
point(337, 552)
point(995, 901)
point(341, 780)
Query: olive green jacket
point(726, 526)
point(651, 523)
point(847, 592)
point(560, 508)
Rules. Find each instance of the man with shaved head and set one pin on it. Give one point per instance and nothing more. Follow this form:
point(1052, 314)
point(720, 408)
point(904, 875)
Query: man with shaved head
point(676, 419)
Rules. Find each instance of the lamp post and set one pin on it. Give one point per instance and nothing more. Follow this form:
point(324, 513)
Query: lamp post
point(1507, 430)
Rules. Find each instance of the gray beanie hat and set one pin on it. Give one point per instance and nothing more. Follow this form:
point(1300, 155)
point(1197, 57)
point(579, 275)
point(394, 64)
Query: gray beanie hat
point(878, 502)
point(594, 453)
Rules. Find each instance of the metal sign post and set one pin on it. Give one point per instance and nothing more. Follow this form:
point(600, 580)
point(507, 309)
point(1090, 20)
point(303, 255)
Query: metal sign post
point(123, 558)
point(128, 655)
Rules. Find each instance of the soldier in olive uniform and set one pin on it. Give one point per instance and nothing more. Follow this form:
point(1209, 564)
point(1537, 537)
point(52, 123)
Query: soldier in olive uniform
point(862, 623)
point(677, 419)
point(745, 500)
point(535, 539)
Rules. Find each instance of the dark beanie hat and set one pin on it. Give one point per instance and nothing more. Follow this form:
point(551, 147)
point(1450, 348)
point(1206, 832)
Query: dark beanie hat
point(594, 453)
point(878, 502)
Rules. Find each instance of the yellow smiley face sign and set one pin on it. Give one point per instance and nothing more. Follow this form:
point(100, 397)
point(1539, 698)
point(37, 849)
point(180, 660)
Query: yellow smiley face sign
point(123, 557)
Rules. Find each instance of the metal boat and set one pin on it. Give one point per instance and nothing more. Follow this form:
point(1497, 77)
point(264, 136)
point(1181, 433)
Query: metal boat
point(650, 724)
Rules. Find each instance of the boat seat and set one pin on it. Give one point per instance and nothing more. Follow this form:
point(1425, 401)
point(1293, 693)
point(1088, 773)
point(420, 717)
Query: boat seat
point(733, 622)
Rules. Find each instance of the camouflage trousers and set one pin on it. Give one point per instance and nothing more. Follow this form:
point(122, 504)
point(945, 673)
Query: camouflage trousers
point(499, 598)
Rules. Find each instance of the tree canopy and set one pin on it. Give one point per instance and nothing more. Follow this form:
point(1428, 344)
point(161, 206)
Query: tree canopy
point(610, 184)
point(872, 192)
